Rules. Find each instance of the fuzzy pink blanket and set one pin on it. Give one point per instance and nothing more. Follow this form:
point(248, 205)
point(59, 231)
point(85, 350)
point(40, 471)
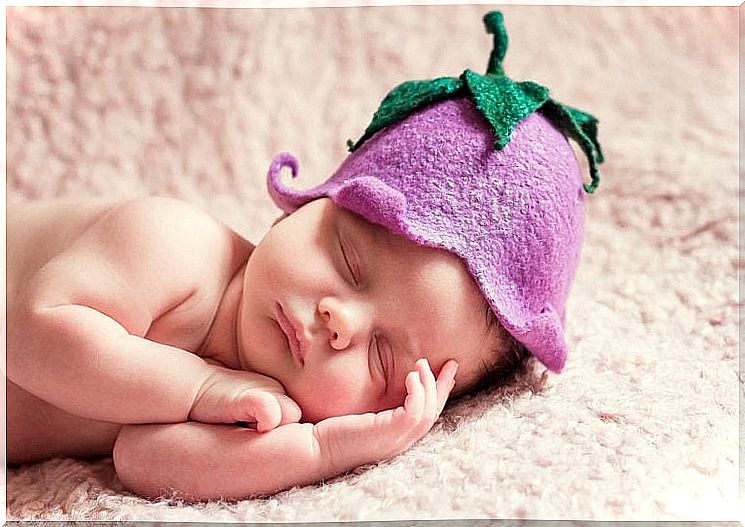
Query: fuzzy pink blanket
point(193, 103)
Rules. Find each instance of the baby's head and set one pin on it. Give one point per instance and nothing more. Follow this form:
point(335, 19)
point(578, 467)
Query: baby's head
point(339, 309)
point(462, 198)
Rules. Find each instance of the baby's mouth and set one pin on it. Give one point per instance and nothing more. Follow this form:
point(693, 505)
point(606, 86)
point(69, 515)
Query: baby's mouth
point(291, 334)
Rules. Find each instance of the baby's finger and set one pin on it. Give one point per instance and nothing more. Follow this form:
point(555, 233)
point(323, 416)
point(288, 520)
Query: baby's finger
point(414, 402)
point(429, 383)
point(445, 383)
point(426, 376)
point(266, 410)
point(291, 412)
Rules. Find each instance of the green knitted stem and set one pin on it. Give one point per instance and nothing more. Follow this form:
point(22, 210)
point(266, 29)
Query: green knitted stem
point(495, 26)
point(502, 101)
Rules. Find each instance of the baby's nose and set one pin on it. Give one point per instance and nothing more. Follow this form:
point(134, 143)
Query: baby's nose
point(343, 321)
point(340, 341)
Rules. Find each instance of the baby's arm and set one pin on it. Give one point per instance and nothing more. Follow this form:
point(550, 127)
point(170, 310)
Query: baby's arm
point(77, 336)
point(198, 462)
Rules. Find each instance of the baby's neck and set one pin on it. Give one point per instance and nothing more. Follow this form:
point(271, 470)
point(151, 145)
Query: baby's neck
point(221, 343)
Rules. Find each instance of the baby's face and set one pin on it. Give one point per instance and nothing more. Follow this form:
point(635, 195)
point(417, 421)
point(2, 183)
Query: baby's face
point(338, 310)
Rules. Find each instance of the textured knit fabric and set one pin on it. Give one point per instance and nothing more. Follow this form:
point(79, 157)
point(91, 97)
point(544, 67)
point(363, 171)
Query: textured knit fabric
point(515, 216)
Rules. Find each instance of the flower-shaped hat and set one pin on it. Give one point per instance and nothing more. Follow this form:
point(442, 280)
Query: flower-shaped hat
point(478, 165)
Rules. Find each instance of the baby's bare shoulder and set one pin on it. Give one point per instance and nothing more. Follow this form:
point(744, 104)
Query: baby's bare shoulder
point(153, 227)
point(167, 228)
point(145, 254)
point(161, 217)
point(169, 238)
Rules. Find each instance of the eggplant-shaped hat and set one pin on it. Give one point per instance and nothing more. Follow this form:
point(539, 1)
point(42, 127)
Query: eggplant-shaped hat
point(478, 165)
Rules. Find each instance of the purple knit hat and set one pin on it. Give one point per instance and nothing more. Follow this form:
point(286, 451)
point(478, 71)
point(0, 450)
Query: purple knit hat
point(428, 168)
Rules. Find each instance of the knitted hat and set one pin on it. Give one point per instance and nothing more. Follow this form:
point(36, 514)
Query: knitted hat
point(479, 166)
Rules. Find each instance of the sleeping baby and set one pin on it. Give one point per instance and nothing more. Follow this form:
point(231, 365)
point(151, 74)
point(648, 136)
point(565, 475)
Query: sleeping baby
point(431, 264)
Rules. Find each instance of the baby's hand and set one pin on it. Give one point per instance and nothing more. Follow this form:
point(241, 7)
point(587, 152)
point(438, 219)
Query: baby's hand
point(357, 439)
point(229, 396)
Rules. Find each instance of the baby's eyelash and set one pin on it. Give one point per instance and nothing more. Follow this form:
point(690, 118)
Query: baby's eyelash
point(383, 363)
point(349, 265)
point(380, 356)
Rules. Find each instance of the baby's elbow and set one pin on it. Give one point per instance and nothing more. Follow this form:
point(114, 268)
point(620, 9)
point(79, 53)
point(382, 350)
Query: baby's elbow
point(126, 468)
point(147, 465)
point(137, 474)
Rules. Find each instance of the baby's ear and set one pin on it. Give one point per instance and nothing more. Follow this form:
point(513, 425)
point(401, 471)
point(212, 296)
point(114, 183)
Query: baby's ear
point(283, 216)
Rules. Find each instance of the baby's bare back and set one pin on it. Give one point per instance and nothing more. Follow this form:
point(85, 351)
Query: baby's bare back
point(37, 233)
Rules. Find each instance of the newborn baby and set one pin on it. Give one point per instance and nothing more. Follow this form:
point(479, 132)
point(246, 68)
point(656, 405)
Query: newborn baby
point(212, 368)
point(149, 311)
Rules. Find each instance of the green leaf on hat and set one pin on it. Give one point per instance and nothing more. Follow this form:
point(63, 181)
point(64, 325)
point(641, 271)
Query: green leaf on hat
point(406, 98)
point(583, 128)
point(502, 101)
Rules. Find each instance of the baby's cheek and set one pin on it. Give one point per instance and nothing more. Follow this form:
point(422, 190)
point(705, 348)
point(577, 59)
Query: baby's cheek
point(333, 396)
